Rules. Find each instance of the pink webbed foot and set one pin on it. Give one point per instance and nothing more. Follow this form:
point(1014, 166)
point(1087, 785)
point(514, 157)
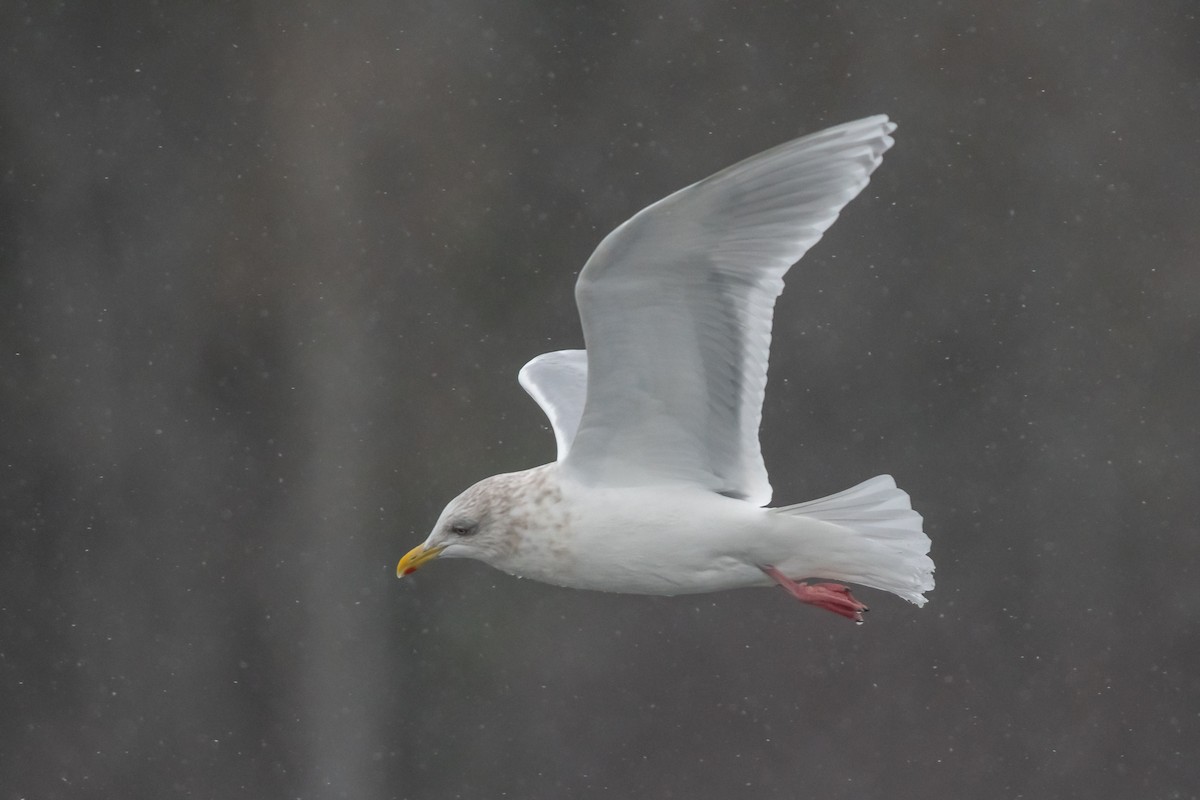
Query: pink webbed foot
point(830, 596)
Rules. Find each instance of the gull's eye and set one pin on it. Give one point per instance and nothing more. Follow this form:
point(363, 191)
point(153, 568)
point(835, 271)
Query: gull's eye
point(463, 527)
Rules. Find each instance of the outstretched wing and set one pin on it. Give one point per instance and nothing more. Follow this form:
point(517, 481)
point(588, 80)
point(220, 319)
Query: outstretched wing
point(558, 382)
point(676, 306)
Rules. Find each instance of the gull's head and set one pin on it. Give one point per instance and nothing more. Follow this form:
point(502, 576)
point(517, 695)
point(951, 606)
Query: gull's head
point(474, 525)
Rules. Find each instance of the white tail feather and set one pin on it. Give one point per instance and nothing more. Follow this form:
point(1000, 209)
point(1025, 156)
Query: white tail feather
point(894, 550)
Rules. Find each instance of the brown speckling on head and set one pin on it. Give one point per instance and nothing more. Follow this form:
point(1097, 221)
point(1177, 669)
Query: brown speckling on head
point(526, 510)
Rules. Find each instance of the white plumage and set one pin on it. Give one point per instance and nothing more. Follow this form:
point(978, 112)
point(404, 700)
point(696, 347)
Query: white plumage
point(659, 480)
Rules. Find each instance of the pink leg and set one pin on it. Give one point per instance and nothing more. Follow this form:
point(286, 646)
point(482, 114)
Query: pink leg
point(830, 596)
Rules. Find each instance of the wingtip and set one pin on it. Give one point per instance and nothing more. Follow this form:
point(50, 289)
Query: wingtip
point(882, 120)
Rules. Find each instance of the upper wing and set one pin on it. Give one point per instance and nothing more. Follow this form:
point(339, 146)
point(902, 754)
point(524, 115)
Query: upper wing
point(676, 306)
point(558, 382)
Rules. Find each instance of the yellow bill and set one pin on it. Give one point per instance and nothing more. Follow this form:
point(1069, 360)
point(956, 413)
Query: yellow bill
point(415, 558)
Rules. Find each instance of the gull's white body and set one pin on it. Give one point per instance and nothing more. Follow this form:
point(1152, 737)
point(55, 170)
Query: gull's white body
point(677, 539)
point(659, 483)
point(644, 540)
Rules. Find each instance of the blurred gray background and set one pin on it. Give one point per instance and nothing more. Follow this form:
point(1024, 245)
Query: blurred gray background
point(268, 272)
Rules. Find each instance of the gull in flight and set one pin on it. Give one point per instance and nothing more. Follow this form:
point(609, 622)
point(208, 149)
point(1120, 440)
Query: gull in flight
point(659, 485)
